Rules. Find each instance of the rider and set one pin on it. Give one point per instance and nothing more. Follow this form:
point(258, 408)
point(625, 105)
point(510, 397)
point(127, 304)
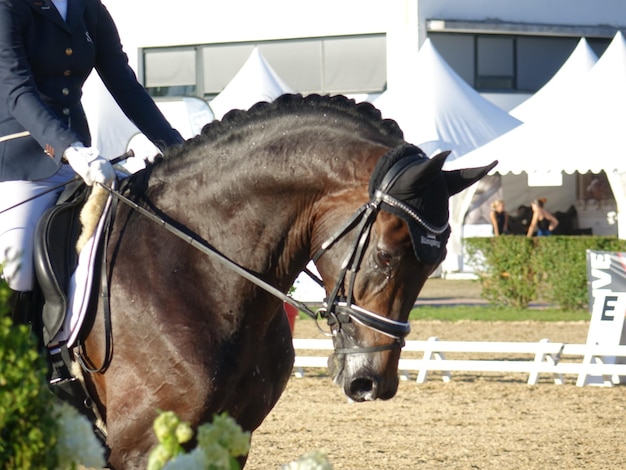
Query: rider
point(48, 48)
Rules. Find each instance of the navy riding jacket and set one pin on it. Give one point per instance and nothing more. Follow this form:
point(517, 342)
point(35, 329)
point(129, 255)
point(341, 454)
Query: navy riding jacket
point(44, 62)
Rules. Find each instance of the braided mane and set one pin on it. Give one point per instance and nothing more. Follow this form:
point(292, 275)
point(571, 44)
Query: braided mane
point(364, 115)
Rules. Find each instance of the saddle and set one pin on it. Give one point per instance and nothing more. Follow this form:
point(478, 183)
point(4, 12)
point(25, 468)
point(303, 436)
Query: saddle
point(55, 259)
point(55, 256)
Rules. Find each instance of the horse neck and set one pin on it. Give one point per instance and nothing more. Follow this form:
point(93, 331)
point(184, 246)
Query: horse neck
point(256, 208)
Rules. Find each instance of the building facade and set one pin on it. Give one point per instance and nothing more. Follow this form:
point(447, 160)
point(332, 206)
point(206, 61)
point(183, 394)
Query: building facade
point(506, 49)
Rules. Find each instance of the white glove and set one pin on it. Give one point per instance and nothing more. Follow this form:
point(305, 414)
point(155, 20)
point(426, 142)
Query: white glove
point(144, 149)
point(90, 166)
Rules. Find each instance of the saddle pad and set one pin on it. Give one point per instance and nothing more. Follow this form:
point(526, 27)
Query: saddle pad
point(80, 285)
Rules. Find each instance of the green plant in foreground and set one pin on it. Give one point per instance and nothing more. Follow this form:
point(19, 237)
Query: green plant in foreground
point(171, 432)
point(36, 430)
point(219, 443)
point(4, 297)
point(27, 429)
point(77, 444)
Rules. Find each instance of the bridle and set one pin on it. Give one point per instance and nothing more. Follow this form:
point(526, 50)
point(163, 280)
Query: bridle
point(339, 307)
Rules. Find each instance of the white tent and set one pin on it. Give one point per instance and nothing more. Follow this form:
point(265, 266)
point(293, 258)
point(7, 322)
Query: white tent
point(585, 133)
point(187, 114)
point(112, 131)
point(438, 110)
point(110, 128)
point(256, 81)
point(560, 87)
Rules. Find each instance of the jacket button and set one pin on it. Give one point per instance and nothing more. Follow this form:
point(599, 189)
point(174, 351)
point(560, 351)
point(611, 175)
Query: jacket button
point(67, 73)
point(65, 91)
point(66, 111)
point(69, 51)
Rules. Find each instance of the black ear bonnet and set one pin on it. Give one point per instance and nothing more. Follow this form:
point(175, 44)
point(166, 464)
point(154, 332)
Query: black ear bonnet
point(417, 183)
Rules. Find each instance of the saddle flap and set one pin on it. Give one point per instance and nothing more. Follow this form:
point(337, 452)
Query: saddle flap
point(55, 258)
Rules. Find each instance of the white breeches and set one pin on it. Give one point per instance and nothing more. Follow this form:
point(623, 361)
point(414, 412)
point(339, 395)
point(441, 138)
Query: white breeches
point(17, 226)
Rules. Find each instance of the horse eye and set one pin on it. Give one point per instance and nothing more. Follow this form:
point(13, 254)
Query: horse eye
point(384, 258)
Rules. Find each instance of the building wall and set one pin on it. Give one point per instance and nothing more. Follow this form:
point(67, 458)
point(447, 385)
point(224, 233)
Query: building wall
point(405, 22)
point(555, 12)
point(142, 24)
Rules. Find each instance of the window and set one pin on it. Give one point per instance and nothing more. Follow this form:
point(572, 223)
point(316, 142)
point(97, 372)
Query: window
point(507, 63)
point(354, 65)
point(495, 63)
point(220, 65)
point(172, 72)
point(342, 64)
point(298, 63)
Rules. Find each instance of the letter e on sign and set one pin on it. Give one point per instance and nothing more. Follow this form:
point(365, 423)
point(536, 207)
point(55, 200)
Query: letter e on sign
point(608, 306)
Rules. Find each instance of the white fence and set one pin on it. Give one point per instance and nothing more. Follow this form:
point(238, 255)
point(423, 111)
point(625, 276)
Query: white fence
point(591, 364)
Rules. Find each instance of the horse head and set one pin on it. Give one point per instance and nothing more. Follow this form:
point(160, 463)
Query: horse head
point(390, 247)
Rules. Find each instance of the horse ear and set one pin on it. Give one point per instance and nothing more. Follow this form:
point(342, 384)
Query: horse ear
point(439, 159)
point(407, 175)
point(458, 180)
point(430, 168)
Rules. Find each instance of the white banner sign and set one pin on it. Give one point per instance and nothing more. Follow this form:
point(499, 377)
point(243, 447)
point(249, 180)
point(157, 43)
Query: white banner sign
point(606, 274)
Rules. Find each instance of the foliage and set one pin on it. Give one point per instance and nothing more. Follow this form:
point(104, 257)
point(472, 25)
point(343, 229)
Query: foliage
point(77, 444)
point(4, 297)
point(505, 269)
point(563, 262)
point(219, 443)
point(27, 429)
point(515, 270)
point(39, 432)
point(32, 421)
point(171, 432)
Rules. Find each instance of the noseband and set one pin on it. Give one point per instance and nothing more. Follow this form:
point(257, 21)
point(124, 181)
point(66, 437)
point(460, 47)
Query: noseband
point(339, 307)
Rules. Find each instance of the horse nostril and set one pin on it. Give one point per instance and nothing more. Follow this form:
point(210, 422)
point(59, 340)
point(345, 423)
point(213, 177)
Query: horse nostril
point(363, 389)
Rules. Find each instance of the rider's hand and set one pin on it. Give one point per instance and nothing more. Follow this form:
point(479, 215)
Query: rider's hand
point(90, 166)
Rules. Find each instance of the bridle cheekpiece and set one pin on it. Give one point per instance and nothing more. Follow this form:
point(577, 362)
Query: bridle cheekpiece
point(339, 307)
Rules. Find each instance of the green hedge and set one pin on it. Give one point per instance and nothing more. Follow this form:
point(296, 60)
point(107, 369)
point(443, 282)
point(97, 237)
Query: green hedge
point(27, 428)
point(4, 298)
point(516, 270)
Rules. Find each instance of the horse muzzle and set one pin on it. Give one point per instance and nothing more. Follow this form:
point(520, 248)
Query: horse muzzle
point(364, 373)
point(362, 383)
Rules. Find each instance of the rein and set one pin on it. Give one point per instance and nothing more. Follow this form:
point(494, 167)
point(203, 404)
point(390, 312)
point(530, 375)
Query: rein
point(340, 313)
point(195, 241)
point(339, 307)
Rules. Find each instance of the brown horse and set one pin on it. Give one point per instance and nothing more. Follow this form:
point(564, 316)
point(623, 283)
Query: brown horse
point(270, 188)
